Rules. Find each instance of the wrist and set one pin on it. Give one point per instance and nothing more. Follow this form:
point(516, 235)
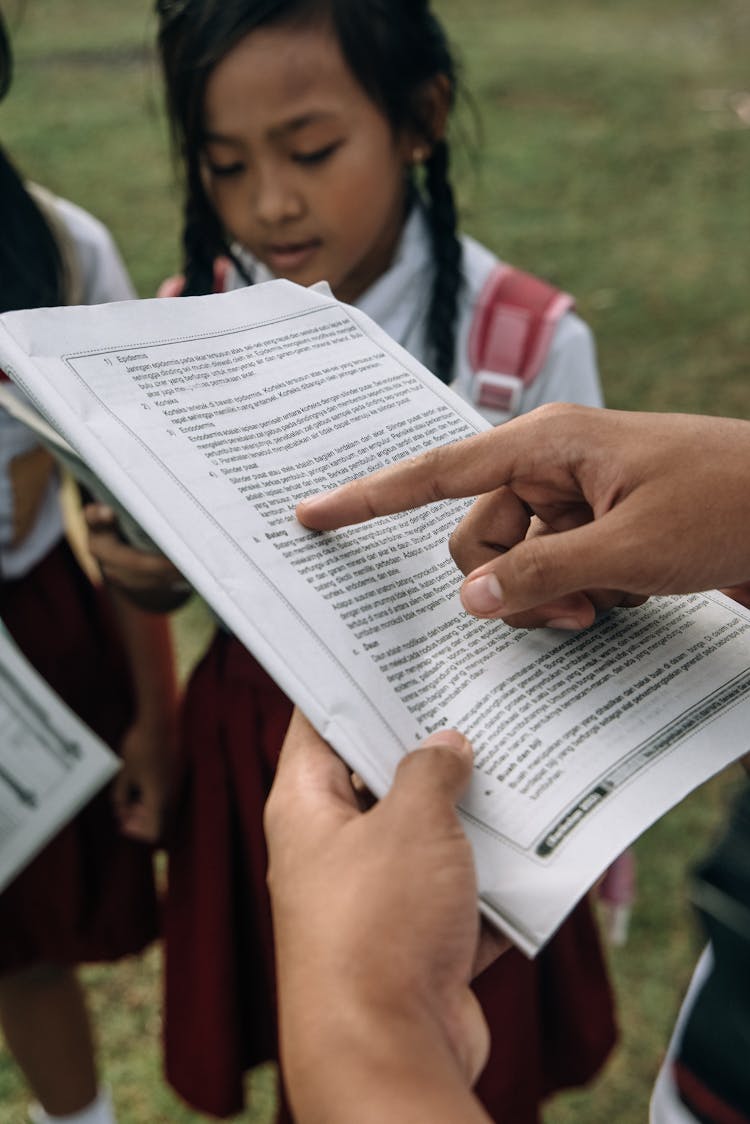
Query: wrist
point(150, 740)
point(352, 1056)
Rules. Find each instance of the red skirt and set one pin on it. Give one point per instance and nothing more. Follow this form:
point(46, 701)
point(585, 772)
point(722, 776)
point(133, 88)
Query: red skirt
point(551, 1020)
point(90, 894)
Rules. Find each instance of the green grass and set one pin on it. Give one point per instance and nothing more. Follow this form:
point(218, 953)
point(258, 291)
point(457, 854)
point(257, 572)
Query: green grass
point(613, 158)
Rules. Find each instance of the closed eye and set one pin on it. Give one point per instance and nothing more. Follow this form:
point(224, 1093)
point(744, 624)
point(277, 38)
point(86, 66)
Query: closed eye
point(233, 169)
point(318, 156)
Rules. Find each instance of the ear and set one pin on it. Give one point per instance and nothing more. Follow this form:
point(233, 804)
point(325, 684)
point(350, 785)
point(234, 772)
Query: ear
point(432, 106)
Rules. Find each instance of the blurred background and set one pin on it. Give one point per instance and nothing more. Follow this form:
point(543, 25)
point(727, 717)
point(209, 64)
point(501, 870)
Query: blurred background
point(604, 144)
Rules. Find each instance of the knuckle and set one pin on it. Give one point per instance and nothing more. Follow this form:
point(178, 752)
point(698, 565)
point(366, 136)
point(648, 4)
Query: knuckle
point(537, 563)
point(457, 547)
point(429, 465)
point(556, 412)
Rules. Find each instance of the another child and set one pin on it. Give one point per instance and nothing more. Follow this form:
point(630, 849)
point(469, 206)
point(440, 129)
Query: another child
point(89, 895)
point(313, 139)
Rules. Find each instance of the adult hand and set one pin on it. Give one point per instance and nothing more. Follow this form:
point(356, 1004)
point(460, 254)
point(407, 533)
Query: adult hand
point(629, 503)
point(149, 580)
point(376, 930)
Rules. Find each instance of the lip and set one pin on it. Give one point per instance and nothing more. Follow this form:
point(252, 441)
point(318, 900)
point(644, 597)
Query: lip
point(287, 257)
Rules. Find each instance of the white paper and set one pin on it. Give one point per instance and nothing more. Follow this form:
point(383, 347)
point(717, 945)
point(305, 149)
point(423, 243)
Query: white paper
point(50, 763)
point(210, 417)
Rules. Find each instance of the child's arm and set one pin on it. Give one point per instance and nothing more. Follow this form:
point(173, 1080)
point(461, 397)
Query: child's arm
point(142, 788)
point(150, 581)
point(29, 474)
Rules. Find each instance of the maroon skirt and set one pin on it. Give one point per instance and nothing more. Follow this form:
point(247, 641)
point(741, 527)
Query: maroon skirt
point(551, 1019)
point(219, 983)
point(89, 895)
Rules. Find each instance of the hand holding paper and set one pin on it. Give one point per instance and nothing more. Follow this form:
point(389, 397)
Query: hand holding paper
point(322, 847)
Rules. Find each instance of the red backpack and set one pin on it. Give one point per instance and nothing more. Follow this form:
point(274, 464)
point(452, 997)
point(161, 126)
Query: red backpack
point(510, 336)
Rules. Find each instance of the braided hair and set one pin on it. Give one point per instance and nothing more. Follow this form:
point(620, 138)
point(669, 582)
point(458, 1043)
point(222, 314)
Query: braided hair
point(31, 270)
point(395, 49)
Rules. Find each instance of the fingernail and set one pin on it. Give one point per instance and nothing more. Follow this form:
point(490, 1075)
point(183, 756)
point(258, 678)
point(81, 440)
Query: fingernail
point(316, 497)
point(451, 738)
point(569, 624)
point(482, 595)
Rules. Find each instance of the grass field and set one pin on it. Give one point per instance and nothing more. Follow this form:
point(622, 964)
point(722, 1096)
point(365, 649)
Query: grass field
point(614, 158)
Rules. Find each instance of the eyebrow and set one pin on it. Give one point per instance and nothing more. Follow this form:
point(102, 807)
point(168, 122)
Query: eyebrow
point(293, 126)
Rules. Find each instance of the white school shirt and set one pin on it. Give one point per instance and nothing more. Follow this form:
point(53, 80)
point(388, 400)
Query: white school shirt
point(104, 279)
point(399, 303)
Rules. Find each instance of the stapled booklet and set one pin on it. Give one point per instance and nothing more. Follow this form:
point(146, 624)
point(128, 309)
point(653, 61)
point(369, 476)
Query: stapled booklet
point(208, 418)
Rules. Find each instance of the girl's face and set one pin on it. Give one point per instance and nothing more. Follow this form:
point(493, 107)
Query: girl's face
point(302, 167)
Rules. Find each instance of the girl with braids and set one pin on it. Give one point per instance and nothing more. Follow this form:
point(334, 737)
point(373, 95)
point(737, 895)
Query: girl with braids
point(312, 134)
point(89, 894)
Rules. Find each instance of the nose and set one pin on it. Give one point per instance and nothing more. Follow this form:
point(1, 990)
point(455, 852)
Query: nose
point(277, 197)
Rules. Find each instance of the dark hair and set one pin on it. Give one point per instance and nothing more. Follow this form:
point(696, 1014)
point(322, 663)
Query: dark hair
point(31, 270)
point(6, 60)
point(393, 47)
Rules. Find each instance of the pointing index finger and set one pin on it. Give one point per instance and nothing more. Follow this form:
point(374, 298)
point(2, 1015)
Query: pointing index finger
point(466, 468)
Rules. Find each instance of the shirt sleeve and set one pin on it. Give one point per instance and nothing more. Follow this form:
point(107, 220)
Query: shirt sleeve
point(105, 277)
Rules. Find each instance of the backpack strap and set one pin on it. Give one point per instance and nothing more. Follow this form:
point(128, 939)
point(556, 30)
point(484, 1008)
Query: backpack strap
point(510, 335)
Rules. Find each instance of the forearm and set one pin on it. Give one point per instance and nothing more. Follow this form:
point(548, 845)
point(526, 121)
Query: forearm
point(30, 475)
point(148, 644)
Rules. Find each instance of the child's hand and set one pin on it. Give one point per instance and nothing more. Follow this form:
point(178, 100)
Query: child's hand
point(143, 787)
point(150, 580)
point(171, 286)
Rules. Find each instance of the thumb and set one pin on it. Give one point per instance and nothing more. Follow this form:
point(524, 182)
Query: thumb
point(436, 774)
point(171, 286)
point(604, 554)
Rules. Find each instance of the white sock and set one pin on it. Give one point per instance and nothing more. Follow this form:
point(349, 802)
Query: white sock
point(100, 1111)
